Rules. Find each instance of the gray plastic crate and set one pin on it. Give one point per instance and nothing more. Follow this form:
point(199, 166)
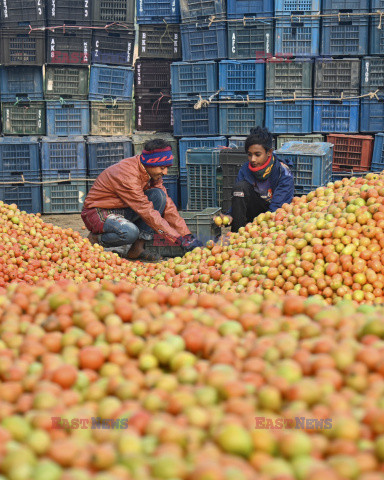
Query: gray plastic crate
point(286, 78)
point(334, 77)
point(200, 224)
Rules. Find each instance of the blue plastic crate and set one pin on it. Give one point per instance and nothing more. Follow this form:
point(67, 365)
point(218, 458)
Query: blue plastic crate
point(241, 77)
point(347, 36)
point(312, 164)
point(376, 35)
point(112, 83)
point(193, 79)
point(202, 165)
point(329, 5)
point(340, 175)
point(289, 117)
point(294, 38)
point(102, 152)
point(372, 75)
point(19, 154)
point(171, 184)
point(196, 10)
point(239, 118)
point(21, 83)
point(27, 196)
point(190, 142)
point(63, 156)
point(64, 196)
point(241, 8)
point(183, 191)
point(157, 11)
point(336, 117)
point(201, 42)
point(68, 118)
point(372, 115)
point(187, 121)
point(288, 7)
point(377, 164)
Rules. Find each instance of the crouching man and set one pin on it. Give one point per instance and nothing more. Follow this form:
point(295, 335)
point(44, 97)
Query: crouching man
point(128, 203)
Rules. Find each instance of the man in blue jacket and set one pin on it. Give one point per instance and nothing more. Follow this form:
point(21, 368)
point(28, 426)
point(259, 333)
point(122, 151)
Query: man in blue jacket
point(263, 183)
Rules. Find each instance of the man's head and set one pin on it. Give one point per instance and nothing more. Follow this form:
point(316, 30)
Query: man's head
point(258, 146)
point(156, 157)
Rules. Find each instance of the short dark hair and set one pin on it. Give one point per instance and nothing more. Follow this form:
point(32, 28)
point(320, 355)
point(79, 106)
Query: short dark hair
point(155, 144)
point(259, 136)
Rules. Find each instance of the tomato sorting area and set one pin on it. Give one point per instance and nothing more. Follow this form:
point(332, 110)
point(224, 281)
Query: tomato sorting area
point(257, 358)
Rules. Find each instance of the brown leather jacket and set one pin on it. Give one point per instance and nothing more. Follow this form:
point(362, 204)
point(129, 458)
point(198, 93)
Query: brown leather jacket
point(123, 185)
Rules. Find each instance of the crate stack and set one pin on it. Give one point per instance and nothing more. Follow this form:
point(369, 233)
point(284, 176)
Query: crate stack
point(342, 33)
point(190, 81)
point(63, 153)
point(250, 29)
point(111, 84)
point(288, 90)
point(22, 55)
point(159, 44)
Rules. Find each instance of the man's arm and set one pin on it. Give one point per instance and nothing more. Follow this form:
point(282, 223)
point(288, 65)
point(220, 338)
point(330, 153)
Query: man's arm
point(171, 215)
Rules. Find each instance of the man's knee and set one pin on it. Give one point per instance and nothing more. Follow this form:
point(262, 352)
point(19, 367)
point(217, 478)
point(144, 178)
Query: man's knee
point(158, 198)
point(129, 233)
point(241, 189)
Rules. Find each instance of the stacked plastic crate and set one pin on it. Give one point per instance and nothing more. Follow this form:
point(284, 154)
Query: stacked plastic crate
point(336, 78)
point(110, 85)
point(311, 164)
point(201, 41)
point(288, 93)
point(289, 108)
point(159, 44)
point(345, 29)
point(250, 29)
point(22, 54)
point(68, 55)
point(111, 78)
point(372, 81)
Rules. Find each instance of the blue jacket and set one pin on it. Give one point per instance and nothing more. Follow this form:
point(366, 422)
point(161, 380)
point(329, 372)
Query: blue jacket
point(277, 189)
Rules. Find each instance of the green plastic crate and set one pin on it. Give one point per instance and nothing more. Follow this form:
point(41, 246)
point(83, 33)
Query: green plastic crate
point(139, 139)
point(23, 118)
point(281, 139)
point(66, 82)
point(111, 118)
point(200, 224)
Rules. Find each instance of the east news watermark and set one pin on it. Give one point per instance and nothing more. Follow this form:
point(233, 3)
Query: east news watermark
point(261, 423)
point(298, 423)
point(60, 423)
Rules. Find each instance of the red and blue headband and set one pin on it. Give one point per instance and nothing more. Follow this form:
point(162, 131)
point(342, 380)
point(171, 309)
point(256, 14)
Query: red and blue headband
point(162, 157)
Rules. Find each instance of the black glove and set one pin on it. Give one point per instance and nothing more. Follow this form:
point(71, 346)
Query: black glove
point(189, 242)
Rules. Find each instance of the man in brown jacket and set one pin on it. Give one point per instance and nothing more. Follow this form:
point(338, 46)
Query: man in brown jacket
point(128, 203)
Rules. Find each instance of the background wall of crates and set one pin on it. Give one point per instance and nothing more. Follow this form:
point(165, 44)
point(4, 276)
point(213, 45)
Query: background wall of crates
point(78, 78)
